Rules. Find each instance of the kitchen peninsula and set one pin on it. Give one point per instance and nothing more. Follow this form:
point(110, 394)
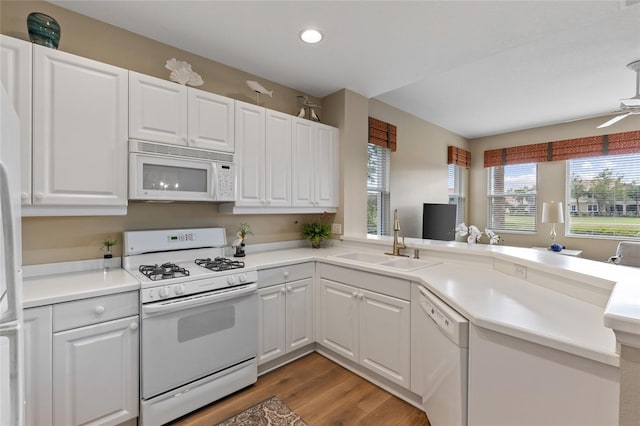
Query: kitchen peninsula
point(553, 304)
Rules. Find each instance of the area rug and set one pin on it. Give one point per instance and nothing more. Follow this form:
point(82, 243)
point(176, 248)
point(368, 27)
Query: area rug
point(271, 412)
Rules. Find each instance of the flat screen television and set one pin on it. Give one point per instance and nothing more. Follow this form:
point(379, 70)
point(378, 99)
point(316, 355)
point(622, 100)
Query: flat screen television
point(438, 221)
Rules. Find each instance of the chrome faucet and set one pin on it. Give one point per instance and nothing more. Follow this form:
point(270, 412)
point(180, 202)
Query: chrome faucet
point(397, 246)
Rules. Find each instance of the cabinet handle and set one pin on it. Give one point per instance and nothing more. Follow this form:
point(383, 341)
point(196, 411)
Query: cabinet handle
point(283, 291)
point(133, 326)
point(99, 310)
point(361, 296)
point(286, 274)
point(193, 140)
point(354, 294)
point(24, 196)
point(288, 289)
point(39, 196)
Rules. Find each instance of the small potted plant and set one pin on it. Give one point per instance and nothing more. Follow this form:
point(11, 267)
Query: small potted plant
point(243, 231)
point(108, 255)
point(316, 232)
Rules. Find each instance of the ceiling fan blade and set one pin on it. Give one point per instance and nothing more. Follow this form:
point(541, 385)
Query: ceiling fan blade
point(613, 120)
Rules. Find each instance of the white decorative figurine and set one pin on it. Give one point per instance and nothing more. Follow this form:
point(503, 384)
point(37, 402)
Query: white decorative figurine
point(182, 73)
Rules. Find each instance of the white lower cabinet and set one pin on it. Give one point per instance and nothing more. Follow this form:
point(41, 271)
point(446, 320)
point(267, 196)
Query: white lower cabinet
point(37, 366)
point(364, 326)
point(96, 373)
point(286, 310)
point(81, 361)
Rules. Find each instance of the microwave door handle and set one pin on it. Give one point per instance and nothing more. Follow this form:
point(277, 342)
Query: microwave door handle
point(11, 314)
point(214, 181)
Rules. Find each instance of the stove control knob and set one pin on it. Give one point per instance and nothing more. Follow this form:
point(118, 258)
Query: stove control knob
point(164, 292)
point(243, 278)
point(231, 280)
point(179, 289)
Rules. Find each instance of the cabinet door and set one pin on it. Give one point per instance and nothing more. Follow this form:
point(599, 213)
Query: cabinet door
point(326, 162)
point(15, 76)
point(338, 328)
point(303, 164)
point(37, 366)
point(384, 336)
point(299, 313)
point(96, 373)
point(278, 159)
point(271, 339)
point(250, 150)
point(157, 110)
point(79, 131)
point(211, 121)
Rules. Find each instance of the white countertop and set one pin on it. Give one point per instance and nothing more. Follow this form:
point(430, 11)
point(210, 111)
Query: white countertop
point(487, 297)
point(58, 288)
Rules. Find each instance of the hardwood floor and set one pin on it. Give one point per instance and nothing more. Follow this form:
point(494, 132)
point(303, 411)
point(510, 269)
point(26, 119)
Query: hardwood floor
point(321, 392)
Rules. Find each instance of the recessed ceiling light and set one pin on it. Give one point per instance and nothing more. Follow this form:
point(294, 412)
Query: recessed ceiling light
point(311, 36)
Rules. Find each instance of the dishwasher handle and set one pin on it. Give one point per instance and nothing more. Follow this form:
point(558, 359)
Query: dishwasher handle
point(171, 305)
point(448, 321)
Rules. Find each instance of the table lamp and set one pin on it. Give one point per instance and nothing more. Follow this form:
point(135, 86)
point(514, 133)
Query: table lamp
point(552, 213)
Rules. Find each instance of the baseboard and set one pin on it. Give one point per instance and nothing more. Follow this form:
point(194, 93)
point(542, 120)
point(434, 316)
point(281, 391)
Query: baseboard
point(286, 359)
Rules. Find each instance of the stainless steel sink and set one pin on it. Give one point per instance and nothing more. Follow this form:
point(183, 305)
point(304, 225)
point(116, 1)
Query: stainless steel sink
point(400, 263)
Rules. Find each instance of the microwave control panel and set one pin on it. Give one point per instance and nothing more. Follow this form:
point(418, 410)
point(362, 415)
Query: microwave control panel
point(226, 182)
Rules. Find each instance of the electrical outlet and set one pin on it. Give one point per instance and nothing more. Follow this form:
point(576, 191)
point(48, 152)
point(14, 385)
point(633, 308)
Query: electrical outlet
point(336, 228)
point(520, 271)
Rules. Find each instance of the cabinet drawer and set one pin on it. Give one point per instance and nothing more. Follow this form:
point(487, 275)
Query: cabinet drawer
point(92, 311)
point(279, 275)
point(384, 284)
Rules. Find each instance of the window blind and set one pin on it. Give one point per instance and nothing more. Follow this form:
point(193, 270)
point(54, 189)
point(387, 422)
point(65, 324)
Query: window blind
point(603, 196)
point(378, 165)
point(512, 198)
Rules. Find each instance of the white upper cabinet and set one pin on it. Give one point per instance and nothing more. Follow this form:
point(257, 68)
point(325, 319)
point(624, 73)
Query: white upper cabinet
point(79, 131)
point(250, 150)
point(315, 164)
point(278, 159)
point(15, 75)
point(164, 111)
point(157, 109)
point(210, 118)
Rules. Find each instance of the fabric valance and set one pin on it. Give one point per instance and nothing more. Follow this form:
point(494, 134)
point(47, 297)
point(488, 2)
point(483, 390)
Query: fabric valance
point(458, 156)
point(593, 146)
point(382, 134)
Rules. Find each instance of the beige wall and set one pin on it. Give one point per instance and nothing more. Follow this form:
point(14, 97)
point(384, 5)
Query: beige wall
point(418, 167)
point(348, 111)
point(51, 239)
point(551, 181)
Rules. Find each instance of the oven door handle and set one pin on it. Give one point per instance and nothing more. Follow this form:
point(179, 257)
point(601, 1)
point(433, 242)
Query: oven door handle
point(166, 306)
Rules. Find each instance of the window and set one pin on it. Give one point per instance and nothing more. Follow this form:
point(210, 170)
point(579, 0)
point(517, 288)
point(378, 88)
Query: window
point(512, 198)
point(457, 180)
point(604, 195)
point(378, 168)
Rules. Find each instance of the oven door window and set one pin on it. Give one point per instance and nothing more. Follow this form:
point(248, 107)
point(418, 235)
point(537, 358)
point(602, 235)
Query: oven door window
point(182, 346)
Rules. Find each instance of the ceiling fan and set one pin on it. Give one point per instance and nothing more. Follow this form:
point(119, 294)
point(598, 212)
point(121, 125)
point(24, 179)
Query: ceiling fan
point(631, 105)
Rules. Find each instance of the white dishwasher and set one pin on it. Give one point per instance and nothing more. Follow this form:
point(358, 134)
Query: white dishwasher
point(439, 358)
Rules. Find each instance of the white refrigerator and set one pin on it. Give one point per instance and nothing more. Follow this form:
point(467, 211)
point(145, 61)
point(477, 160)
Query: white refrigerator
point(11, 360)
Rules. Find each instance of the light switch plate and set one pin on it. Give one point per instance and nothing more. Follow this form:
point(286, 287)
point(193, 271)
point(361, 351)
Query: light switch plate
point(336, 228)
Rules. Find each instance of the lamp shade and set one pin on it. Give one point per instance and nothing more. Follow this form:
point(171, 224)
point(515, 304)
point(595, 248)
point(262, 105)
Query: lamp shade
point(552, 212)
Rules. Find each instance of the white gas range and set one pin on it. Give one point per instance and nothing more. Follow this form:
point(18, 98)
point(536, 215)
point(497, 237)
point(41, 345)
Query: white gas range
point(199, 325)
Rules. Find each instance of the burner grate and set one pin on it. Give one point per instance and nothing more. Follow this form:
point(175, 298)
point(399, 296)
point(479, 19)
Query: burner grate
point(163, 272)
point(219, 264)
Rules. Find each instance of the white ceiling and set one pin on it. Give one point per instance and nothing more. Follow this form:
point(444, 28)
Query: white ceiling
point(476, 68)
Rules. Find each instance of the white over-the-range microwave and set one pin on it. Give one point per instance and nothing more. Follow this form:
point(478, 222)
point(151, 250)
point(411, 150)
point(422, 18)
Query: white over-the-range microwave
point(161, 172)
